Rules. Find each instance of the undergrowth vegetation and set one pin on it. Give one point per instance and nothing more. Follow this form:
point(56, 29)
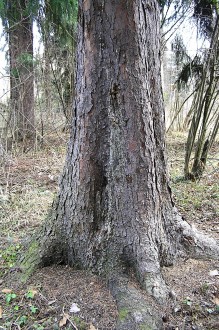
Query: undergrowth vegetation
point(198, 201)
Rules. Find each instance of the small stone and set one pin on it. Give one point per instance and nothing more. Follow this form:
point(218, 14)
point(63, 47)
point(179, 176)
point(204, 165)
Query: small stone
point(214, 272)
point(138, 317)
point(177, 309)
point(74, 308)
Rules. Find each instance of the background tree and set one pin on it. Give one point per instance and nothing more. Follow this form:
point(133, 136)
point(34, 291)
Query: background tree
point(17, 18)
point(197, 79)
point(57, 21)
point(173, 14)
point(114, 213)
point(205, 107)
point(181, 88)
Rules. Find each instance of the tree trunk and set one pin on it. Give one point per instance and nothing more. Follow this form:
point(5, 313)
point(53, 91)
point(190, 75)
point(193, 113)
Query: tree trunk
point(21, 69)
point(114, 211)
point(114, 194)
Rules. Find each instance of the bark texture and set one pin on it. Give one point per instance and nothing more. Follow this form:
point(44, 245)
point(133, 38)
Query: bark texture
point(114, 208)
point(21, 69)
point(114, 211)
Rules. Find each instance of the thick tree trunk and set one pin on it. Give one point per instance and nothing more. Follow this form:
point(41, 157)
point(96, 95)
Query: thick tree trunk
point(114, 207)
point(21, 69)
point(114, 211)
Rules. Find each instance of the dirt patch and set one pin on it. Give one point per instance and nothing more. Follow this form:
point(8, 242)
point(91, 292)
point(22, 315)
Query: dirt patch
point(61, 295)
point(195, 295)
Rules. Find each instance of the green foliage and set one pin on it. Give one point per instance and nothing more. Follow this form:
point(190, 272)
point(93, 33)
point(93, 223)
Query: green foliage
point(22, 320)
point(38, 326)
point(80, 323)
point(56, 16)
point(33, 309)
point(58, 20)
point(14, 73)
point(25, 59)
point(32, 7)
point(10, 254)
point(19, 310)
point(13, 11)
point(27, 264)
point(30, 294)
point(123, 314)
point(144, 327)
point(9, 297)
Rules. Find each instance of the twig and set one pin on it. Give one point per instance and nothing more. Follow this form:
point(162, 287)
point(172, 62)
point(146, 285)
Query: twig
point(68, 318)
point(73, 324)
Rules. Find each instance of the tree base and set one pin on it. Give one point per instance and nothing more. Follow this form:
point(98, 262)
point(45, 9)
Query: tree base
point(137, 306)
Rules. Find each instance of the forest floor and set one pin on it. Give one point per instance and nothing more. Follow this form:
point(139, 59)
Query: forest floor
point(60, 297)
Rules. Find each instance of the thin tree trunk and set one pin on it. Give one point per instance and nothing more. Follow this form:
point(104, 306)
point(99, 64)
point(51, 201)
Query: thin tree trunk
point(47, 75)
point(21, 70)
point(203, 106)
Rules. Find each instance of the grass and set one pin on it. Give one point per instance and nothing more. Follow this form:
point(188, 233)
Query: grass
point(21, 309)
point(196, 200)
point(22, 209)
point(29, 184)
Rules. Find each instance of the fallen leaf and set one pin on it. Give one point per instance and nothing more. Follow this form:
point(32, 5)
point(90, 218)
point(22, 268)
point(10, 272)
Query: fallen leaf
point(34, 292)
point(51, 177)
point(92, 327)
point(6, 290)
point(74, 308)
point(1, 311)
point(64, 320)
point(214, 272)
point(216, 301)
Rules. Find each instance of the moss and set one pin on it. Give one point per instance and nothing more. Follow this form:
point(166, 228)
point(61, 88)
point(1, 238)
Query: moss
point(80, 323)
point(123, 314)
point(30, 261)
point(144, 327)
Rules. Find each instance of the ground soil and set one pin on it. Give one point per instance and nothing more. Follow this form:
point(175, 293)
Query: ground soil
point(60, 297)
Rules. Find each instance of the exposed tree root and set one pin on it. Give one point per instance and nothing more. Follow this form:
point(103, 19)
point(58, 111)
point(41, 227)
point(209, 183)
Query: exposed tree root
point(136, 310)
point(197, 245)
point(155, 286)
